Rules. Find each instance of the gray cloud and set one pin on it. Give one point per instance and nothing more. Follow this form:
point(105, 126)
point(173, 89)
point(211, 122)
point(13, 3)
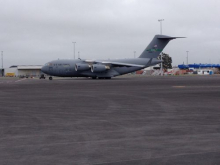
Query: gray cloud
point(37, 31)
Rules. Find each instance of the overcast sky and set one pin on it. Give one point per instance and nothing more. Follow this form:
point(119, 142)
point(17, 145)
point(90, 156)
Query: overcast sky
point(33, 32)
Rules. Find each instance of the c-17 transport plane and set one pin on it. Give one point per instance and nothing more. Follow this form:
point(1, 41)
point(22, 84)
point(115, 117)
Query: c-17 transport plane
point(108, 68)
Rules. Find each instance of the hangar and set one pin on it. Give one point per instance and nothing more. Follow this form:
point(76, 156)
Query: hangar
point(23, 70)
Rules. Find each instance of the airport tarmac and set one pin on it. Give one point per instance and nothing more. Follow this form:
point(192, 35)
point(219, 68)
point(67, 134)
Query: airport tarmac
point(122, 121)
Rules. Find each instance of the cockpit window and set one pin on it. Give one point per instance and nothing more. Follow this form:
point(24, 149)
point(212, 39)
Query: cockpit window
point(48, 64)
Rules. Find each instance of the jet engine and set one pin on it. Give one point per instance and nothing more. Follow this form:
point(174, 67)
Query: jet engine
point(99, 68)
point(82, 67)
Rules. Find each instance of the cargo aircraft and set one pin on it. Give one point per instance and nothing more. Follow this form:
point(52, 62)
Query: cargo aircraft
point(106, 69)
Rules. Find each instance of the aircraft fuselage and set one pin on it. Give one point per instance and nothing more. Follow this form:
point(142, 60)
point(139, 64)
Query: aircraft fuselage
point(67, 68)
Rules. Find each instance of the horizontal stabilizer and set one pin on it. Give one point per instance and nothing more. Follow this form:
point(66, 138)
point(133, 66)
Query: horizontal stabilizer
point(168, 37)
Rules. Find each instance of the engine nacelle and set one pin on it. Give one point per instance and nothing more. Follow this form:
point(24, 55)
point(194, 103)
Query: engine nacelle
point(96, 68)
point(82, 67)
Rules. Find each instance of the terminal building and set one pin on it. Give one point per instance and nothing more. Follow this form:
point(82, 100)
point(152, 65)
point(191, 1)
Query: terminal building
point(23, 70)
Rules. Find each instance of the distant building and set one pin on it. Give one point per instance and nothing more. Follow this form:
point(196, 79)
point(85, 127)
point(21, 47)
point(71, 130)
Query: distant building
point(1, 72)
point(205, 72)
point(23, 70)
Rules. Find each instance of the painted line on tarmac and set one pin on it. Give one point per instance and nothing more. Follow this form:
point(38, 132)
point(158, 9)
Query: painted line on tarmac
point(196, 86)
point(9, 82)
point(20, 80)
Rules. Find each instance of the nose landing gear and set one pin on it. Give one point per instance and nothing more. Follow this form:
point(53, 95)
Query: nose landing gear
point(50, 78)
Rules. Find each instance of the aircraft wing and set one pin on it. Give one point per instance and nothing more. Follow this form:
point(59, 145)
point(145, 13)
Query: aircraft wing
point(119, 64)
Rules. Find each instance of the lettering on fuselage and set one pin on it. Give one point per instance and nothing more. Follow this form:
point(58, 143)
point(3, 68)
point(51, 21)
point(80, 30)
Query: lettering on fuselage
point(59, 69)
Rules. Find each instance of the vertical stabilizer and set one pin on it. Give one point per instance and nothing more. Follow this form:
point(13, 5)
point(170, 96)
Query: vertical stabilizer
point(156, 46)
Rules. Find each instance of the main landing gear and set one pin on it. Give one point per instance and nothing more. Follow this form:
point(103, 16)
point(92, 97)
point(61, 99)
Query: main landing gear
point(101, 77)
point(50, 78)
point(104, 77)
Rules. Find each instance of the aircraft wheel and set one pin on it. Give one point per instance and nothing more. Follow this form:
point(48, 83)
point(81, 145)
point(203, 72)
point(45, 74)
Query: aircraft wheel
point(50, 78)
point(93, 77)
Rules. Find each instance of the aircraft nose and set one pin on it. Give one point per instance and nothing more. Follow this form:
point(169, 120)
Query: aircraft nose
point(43, 69)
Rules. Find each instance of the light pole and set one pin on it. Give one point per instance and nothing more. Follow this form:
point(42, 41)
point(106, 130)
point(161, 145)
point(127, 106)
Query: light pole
point(187, 58)
point(2, 59)
point(2, 64)
point(161, 68)
point(160, 20)
point(74, 49)
point(134, 53)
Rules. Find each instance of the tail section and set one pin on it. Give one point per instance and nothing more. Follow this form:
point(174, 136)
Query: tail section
point(156, 46)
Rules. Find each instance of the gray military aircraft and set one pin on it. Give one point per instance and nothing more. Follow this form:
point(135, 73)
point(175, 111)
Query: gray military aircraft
point(108, 68)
